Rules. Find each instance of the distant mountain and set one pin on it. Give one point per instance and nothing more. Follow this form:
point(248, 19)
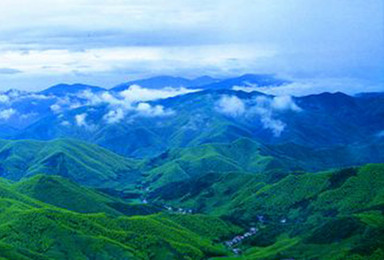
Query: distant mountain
point(65, 89)
point(218, 173)
point(248, 80)
point(316, 121)
point(370, 94)
point(167, 81)
point(7, 131)
point(205, 82)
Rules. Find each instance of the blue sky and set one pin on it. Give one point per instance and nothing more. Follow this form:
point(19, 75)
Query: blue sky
point(337, 43)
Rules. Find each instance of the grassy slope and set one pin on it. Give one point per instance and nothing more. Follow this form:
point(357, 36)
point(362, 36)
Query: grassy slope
point(243, 155)
point(334, 213)
point(329, 215)
point(31, 229)
point(81, 162)
point(60, 192)
point(248, 156)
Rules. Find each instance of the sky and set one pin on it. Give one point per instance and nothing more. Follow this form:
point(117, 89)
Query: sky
point(332, 44)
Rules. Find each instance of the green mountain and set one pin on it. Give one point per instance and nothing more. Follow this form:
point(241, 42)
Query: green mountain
point(247, 156)
point(335, 214)
point(225, 175)
point(327, 215)
point(34, 227)
point(316, 121)
point(62, 193)
point(78, 161)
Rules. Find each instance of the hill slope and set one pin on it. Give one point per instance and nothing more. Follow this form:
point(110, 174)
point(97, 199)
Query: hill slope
point(327, 215)
point(62, 193)
point(81, 162)
point(34, 230)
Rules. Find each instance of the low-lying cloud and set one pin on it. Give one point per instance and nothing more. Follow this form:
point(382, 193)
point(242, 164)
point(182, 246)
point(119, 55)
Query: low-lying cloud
point(304, 87)
point(231, 105)
point(263, 107)
point(132, 102)
point(136, 93)
point(7, 113)
point(81, 121)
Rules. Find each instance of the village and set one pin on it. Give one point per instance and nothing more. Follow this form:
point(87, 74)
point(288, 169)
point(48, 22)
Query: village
point(231, 244)
point(237, 240)
point(170, 208)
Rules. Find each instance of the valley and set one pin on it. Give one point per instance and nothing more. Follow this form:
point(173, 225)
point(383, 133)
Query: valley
point(197, 171)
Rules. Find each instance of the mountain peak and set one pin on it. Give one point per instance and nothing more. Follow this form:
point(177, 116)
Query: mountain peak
point(63, 89)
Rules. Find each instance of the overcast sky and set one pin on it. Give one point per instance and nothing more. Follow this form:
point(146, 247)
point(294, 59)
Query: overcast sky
point(105, 42)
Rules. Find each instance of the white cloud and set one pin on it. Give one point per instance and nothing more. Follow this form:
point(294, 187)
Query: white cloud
point(267, 107)
point(231, 105)
point(131, 100)
point(284, 103)
point(133, 94)
point(7, 113)
point(56, 108)
point(80, 119)
point(137, 93)
point(107, 41)
point(65, 123)
point(114, 115)
point(275, 125)
point(146, 109)
point(303, 87)
point(4, 98)
point(263, 107)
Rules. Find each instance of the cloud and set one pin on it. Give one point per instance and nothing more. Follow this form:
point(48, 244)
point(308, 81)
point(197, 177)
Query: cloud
point(145, 109)
point(131, 101)
point(283, 103)
point(118, 113)
point(133, 94)
point(14, 95)
point(65, 123)
point(56, 108)
point(9, 71)
point(264, 108)
point(108, 41)
point(231, 105)
point(114, 115)
point(303, 87)
point(137, 93)
point(7, 113)
point(275, 125)
point(4, 98)
point(80, 119)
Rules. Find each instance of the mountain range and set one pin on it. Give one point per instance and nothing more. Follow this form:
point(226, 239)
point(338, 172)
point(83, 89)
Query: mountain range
point(175, 168)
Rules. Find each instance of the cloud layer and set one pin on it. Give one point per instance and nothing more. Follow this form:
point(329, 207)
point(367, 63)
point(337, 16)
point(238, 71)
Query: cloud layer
point(125, 105)
point(263, 108)
point(108, 42)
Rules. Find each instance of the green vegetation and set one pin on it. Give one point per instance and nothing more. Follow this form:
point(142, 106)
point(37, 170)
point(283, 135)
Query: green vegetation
point(327, 215)
point(35, 225)
point(81, 162)
point(66, 199)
